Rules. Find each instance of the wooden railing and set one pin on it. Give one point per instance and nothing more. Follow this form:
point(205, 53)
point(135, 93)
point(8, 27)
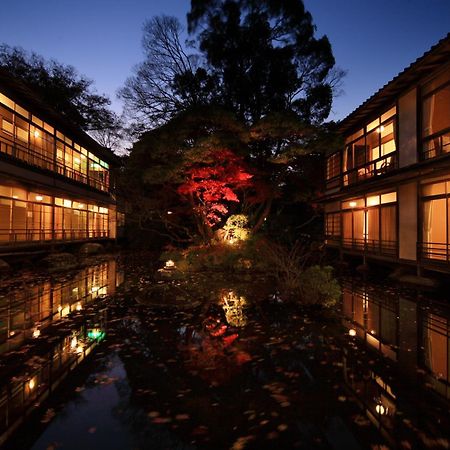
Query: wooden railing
point(371, 246)
point(435, 251)
point(371, 169)
point(25, 236)
point(36, 159)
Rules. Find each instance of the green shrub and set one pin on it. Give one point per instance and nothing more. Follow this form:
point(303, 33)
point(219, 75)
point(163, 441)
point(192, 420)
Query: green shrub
point(317, 286)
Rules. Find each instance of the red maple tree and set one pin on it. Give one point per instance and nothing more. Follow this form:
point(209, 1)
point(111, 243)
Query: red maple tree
point(212, 184)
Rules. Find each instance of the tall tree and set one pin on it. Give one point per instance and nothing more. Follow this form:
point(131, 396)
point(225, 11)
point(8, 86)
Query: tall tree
point(193, 167)
point(266, 56)
point(168, 81)
point(70, 94)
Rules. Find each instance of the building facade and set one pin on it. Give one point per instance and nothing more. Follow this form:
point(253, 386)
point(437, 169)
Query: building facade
point(387, 193)
point(55, 183)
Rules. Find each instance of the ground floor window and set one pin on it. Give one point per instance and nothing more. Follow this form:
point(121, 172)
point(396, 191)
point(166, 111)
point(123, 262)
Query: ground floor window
point(333, 227)
point(370, 223)
point(33, 216)
point(435, 198)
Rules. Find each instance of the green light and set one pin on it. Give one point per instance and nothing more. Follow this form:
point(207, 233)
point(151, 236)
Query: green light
point(96, 334)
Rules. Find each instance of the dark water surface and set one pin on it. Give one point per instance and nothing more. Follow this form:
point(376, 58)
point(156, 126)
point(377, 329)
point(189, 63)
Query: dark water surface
point(124, 360)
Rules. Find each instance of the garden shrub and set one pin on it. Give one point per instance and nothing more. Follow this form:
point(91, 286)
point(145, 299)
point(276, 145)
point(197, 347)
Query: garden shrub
point(317, 286)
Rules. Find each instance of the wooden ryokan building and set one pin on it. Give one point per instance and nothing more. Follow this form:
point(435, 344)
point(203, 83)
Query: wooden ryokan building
point(55, 184)
point(388, 190)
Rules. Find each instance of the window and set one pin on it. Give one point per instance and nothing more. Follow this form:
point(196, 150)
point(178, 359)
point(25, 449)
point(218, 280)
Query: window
point(370, 223)
point(30, 139)
point(436, 117)
point(333, 167)
point(371, 150)
point(435, 219)
point(333, 226)
point(35, 216)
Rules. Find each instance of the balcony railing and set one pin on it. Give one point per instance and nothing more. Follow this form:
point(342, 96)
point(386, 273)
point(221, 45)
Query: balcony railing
point(437, 146)
point(371, 246)
point(371, 169)
point(20, 237)
point(434, 251)
point(33, 158)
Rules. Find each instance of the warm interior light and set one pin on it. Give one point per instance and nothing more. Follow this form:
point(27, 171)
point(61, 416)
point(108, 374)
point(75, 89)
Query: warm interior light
point(78, 307)
point(94, 289)
point(31, 384)
point(36, 134)
point(352, 332)
point(380, 129)
point(352, 204)
point(76, 161)
point(39, 198)
point(36, 333)
point(380, 409)
point(169, 212)
point(79, 349)
point(170, 263)
point(59, 308)
point(73, 342)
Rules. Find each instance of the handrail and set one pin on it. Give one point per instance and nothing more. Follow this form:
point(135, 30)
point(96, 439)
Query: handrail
point(28, 155)
point(371, 169)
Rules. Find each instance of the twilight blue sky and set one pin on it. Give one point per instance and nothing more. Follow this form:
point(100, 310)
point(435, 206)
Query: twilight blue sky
point(372, 40)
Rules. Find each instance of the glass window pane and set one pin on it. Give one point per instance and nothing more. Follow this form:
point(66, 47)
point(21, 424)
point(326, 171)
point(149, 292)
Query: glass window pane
point(433, 189)
point(388, 114)
point(389, 197)
point(389, 223)
point(373, 200)
point(436, 109)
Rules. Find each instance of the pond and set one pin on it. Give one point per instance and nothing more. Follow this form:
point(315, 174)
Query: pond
point(115, 357)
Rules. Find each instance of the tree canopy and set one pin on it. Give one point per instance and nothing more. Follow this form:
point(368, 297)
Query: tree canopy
point(255, 86)
point(64, 89)
point(266, 56)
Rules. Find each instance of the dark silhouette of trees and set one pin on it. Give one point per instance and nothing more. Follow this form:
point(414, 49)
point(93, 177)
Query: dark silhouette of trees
point(168, 81)
point(257, 83)
point(266, 57)
point(62, 88)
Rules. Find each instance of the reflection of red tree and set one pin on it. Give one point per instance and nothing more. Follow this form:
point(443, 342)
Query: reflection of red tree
point(214, 354)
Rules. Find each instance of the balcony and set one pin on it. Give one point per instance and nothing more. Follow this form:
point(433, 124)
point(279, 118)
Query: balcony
point(373, 247)
point(434, 252)
point(36, 159)
point(41, 236)
point(374, 168)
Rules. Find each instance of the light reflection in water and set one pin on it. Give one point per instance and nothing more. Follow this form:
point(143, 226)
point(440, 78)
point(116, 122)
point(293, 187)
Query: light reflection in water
point(24, 313)
point(396, 333)
point(234, 308)
point(27, 313)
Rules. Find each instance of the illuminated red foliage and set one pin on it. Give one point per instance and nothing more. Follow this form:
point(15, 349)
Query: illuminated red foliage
point(214, 183)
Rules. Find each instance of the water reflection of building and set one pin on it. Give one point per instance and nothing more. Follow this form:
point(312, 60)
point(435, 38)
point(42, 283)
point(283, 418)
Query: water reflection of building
point(435, 341)
point(395, 343)
point(24, 312)
point(26, 380)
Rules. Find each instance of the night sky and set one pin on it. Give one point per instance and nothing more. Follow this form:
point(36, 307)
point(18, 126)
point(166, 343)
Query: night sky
point(372, 40)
